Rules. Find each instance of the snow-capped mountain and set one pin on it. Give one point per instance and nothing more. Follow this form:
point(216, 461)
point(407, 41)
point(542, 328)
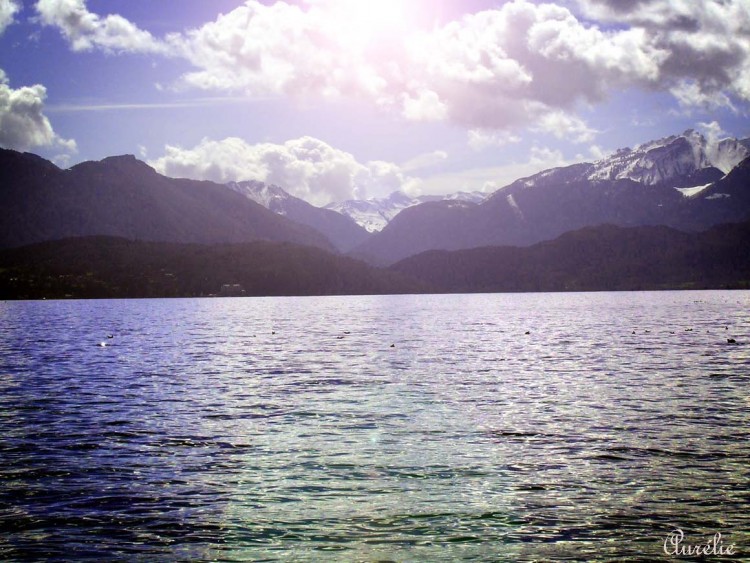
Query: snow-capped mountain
point(682, 161)
point(374, 214)
point(269, 196)
point(683, 181)
point(342, 231)
point(661, 161)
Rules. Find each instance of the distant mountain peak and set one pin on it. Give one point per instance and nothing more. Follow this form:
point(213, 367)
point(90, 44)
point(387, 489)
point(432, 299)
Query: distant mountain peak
point(269, 196)
point(125, 163)
point(341, 230)
point(375, 213)
point(674, 156)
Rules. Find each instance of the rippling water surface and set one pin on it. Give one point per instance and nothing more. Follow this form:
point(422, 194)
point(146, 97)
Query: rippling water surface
point(291, 429)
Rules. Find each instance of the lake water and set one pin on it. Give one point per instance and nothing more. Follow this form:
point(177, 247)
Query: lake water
point(290, 429)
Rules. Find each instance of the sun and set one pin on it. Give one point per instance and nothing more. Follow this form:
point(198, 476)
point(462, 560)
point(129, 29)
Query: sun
point(379, 14)
point(358, 23)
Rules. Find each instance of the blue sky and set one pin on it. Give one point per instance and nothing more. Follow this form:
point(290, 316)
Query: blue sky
point(335, 99)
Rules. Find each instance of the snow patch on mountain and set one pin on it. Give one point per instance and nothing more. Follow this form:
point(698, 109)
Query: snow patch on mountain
point(374, 214)
point(694, 191)
point(671, 157)
point(269, 196)
point(514, 206)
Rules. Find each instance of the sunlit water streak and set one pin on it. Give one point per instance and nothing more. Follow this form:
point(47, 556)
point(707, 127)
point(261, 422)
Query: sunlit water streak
point(291, 429)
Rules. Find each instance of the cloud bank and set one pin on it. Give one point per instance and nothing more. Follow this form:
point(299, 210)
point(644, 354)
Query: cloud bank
point(522, 64)
point(307, 168)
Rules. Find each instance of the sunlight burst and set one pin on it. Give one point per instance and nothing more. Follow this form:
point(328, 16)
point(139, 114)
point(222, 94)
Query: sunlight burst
point(360, 23)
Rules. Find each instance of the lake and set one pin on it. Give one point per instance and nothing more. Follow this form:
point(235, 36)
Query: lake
point(510, 427)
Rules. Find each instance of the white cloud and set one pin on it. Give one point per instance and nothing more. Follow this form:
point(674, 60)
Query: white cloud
point(543, 158)
point(705, 45)
point(85, 30)
point(690, 94)
point(521, 64)
point(278, 48)
point(424, 105)
point(480, 139)
point(23, 124)
point(490, 179)
point(596, 153)
point(712, 131)
point(565, 126)
point(8, 10)
point(422, 161)
point(306, 167)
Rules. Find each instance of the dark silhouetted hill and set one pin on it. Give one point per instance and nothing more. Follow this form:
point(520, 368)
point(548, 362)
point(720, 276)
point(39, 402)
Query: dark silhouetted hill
point(121, 196)
point(107, 267)
point(595, 259)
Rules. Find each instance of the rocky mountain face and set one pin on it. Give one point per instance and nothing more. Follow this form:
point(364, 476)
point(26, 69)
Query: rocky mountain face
point(341, 230)
point(682, 181)
point(121, 196)
point(374, 214)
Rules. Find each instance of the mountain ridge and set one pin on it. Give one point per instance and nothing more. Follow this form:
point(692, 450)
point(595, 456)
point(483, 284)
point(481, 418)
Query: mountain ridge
point(375, 213)
point(680, 189)
point(343, 232)
point(599, 258)
point(114, 267)
point(122, 196)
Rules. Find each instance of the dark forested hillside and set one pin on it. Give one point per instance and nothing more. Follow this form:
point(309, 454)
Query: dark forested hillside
point(105, 267)
point(594, 259)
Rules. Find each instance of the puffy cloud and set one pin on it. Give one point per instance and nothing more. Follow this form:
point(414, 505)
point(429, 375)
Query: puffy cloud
point(712, 131)
point(23, 124)
point(278, 48)
point(706, 45)
point(422, 161)
point(543, 158)
point(690, 94)
point(521, 64)
point(307, 168)
point(85, 30)
point(524, 63)
point(480, 139)
point(565, 126)
point(423, 106)
point(490, 179)
point(8, 9)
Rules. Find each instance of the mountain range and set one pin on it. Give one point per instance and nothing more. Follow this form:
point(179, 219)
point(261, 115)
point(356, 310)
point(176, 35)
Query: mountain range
point(591, 259)
point(112, 267)
point(342, 231)
point(685, 182)
point(122, 196)
point(682, 181)
point(603, 258)
point(374, 214)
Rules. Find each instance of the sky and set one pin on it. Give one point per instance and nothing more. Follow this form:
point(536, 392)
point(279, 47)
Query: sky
point(352, 99)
